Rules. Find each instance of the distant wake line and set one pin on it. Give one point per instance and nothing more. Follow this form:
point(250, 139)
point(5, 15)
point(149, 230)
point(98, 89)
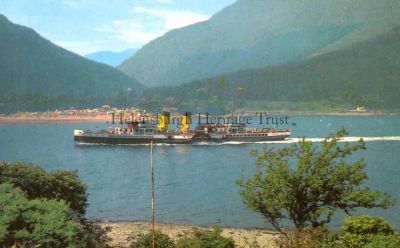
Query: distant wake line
point(296, 140)
point(286, 141)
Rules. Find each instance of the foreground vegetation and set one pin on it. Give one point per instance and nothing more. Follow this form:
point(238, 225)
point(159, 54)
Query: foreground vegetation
point(357, 232)
point(303, 183)
point(45, 209)
point(199, 239)
point(306, 184)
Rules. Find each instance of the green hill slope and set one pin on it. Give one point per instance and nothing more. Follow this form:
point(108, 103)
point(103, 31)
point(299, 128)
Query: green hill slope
point(257, 33)
point(364, 74)
point(36, 74)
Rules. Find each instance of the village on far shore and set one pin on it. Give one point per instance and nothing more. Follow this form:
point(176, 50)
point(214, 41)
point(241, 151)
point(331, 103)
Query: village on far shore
point(102, 113)
point(105, 112)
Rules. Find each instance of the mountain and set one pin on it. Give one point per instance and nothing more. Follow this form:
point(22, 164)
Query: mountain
point(258, 33)
point(111, 58)
point(365, 73)
point(36, 74)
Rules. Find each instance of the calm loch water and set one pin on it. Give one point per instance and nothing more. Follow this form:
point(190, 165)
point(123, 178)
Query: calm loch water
point(195, 184)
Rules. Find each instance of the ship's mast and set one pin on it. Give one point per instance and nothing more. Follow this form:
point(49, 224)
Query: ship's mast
point(235, 96)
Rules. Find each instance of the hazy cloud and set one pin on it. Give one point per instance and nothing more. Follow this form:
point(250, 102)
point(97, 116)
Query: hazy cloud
point(129, 31)
point(137, 34)
point(163, 1)
point(76, 4)
point(173, 19)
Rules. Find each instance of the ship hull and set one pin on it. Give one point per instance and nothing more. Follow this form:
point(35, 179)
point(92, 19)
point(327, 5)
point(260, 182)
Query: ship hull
point(239, 137)
point(126, 140)
point(138, 141)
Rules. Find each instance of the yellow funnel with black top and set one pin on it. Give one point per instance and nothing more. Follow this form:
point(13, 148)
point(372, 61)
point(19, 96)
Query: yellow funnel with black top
point(185, 122)
point(163, 121)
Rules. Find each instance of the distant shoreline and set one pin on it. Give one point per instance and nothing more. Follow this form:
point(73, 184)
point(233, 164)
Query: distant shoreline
point(52, 119)
point(45, 118)
point(334, 113)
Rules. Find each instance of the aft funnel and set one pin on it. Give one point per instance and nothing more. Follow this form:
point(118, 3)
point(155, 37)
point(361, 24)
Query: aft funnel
point(186, 120)
point(163, 121)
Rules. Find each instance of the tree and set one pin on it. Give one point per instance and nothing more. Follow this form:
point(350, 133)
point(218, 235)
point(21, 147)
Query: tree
point(37, 183)
point(44, 223)
point(60, 186)
point(306, 184)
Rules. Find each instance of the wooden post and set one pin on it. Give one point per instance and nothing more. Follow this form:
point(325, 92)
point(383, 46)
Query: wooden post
point(152, 191)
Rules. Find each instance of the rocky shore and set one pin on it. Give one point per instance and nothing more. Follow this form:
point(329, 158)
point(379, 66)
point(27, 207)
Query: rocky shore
point(122, 233)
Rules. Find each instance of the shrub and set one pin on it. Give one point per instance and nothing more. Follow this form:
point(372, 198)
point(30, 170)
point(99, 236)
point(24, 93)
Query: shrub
point(97, 236)
point(45, 223)
point(361, 232)
point(306, 238)
point(206, 239)
point(388, 241)
point(357, 232)
point(37, 183)
point(364, 230)
point(366, 224)
point(161, 241)
point(353, 240)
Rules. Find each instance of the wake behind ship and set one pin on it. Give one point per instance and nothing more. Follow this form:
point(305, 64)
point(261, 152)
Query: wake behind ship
point(145, 133)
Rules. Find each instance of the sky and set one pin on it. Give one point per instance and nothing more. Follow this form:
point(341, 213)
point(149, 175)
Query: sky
point(86, 26)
